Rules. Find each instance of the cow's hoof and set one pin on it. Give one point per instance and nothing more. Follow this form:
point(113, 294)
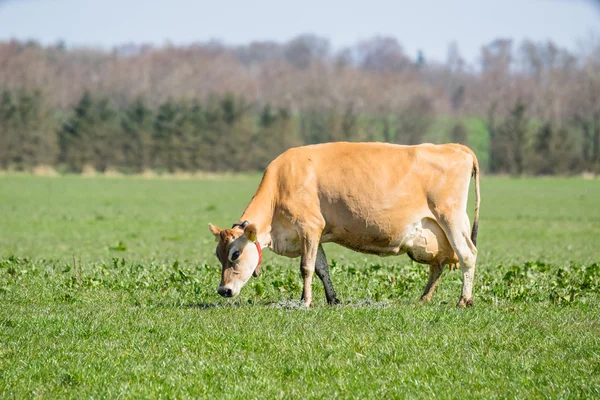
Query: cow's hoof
point(333, 302)
point(425, 299)
point(464, 303)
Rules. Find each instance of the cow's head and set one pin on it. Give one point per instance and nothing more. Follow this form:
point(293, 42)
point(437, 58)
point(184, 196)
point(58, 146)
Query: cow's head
point(239, 254)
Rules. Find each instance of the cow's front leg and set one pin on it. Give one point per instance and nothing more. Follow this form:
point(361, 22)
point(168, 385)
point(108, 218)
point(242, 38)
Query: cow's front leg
point(307, 267)
point(322, 270)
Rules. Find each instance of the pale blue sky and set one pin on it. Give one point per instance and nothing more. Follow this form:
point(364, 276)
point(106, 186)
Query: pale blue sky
point(429, 25)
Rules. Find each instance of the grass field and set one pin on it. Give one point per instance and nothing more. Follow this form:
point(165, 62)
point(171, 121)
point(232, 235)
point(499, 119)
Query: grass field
point(108, 289)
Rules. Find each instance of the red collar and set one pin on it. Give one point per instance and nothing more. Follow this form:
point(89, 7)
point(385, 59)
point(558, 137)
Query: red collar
point(257, 270)
point(259, 253)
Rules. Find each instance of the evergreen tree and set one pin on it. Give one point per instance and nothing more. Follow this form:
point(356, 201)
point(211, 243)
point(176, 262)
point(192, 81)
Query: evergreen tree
point(74, 143)
point(8, 134)
point(275, 135)
point(36, 130)
point(199, 140)
point(165, 130)
point(91, 136)
point(136, 123)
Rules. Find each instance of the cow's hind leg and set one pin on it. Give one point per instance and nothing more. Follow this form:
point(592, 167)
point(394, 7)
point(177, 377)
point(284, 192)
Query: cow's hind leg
point(322, 270)
point(435, 271)
point(459, 237)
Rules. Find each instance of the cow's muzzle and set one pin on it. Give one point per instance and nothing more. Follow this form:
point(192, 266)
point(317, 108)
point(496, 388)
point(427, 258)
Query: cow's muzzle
point(225, 292)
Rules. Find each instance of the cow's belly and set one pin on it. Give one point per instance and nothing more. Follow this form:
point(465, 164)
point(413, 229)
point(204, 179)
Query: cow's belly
point(361, 220)
point(424, 241)
point(377, 244)
point(381, 240)
point(286, 240)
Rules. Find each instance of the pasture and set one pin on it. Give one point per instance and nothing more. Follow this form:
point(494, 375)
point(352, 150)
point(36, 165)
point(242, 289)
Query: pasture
point(108, 289)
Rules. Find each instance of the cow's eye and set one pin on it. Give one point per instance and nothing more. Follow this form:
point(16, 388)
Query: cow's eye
point(235, 255)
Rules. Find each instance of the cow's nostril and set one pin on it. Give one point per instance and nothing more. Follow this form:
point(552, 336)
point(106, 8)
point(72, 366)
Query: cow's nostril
point(225, 292)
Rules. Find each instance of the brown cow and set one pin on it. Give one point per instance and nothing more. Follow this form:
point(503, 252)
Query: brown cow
point(374, 198)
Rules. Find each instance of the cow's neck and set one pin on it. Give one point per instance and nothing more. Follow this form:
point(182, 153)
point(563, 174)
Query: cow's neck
point(262, 220)
point(260, 213)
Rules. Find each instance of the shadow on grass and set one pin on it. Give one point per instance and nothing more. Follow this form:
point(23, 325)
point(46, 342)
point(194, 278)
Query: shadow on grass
point(210, 306)
point(289, 304)
point(280, 304)
point(204, 306)
point(299, 305)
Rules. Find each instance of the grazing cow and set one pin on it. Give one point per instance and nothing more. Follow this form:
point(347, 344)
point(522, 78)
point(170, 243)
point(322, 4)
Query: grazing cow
point(374, 198)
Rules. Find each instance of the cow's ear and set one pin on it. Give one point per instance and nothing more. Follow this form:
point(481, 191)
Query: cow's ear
point(250, 232)
point(215, 230)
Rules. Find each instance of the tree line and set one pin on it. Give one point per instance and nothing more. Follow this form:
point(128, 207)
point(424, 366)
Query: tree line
point(224, 133)
point(210, 107)
point(227, 133)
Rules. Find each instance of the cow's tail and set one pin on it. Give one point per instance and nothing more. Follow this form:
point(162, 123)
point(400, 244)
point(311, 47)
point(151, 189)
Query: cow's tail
point(477, 199)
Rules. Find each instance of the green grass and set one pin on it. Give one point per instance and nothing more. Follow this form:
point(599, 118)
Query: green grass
point(108, 289)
